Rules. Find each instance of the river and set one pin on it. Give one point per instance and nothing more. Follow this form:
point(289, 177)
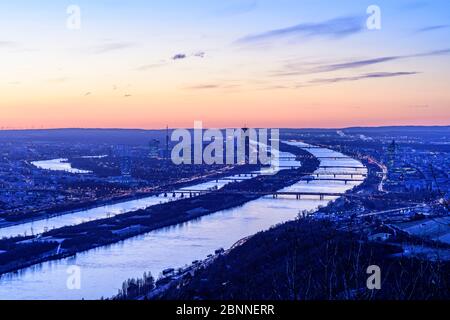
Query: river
point(58, 165)
point(104, 269)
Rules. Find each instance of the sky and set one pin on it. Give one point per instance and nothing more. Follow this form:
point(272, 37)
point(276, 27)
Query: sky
point(228, 63)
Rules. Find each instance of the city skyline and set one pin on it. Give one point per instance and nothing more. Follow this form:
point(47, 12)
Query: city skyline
point(285, 64)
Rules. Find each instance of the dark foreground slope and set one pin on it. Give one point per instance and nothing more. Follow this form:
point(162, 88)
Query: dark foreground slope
point(310, 259)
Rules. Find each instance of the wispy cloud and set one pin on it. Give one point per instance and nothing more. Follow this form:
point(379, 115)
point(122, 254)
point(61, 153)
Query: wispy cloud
point(181, 56)
point(150, 66)
point(335, 28)
point(440, 52)
point(354, 64)
point(112, 46)
point(199, 54)
point(293, 70)
point(338, 66)
point(212, 86)
point(178, 56)
point(375, 75)
point(433, 28)
point(203, 87)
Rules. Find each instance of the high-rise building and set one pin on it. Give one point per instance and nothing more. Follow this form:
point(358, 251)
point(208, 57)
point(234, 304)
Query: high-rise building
point(392, 150)
point(246, 144)
point(154, 148)
point(125, 160)
point(167, 154)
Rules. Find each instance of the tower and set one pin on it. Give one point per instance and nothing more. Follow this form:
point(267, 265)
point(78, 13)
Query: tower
point(247, 150)
point(167, 155)
point(391, 151)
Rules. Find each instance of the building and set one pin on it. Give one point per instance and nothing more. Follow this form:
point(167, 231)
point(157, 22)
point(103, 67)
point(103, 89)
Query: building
point(154, 146)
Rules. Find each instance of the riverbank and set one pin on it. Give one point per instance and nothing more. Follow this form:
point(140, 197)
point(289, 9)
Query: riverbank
point(67, 241)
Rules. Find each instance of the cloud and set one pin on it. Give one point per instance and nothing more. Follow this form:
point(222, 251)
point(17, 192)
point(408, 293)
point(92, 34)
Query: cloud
point(348, 65)
point(440, 52)
point(292, 70)
point(113, 46)
point(179, 56)
point(204, 86)
point(162, 63)
point(199, 54)
point(432, 28)
point(212, 86)
point(150, 66)
point(375, 75)
point(275, 87)
point(389, 74)
point(335, 28)
point(355, 64)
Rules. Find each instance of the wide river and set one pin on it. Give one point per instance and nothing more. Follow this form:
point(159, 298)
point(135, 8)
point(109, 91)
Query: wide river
point(104, 269)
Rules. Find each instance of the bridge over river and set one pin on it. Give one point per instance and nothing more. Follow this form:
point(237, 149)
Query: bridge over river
point(275, 194)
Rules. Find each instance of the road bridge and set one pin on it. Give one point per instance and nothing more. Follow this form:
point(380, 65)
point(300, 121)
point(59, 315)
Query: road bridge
point(275, 194)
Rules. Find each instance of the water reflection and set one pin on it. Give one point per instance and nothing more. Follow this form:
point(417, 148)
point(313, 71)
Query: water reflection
point(58, 165)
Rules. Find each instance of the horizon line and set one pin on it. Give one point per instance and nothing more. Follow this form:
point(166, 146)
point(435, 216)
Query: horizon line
point(223, 128)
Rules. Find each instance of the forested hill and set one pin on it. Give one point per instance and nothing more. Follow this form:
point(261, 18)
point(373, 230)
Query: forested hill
point(309, 259)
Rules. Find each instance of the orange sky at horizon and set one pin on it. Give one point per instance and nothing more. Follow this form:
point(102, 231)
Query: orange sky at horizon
point(319, 107)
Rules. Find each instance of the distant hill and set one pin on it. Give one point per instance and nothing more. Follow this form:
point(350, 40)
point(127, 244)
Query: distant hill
point(111, 136)
point(141, 136)
point(399, 129)
point(383, 129)
point(430, 132)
